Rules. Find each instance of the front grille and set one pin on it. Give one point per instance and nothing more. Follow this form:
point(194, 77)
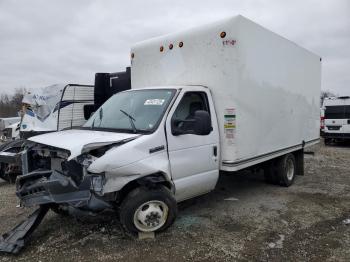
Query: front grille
point(32, 191)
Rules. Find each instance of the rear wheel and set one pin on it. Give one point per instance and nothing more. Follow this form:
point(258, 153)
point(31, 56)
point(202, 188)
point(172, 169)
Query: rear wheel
point(286, 170)
point(281, 171)
point(148, 210)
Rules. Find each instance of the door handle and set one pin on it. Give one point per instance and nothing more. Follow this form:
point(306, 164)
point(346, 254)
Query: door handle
point(215, 151)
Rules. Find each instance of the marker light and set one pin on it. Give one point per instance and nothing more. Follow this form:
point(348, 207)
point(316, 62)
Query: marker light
point(223, 34)
point(171, 46)
point(161, 48)
point(132, 55)
point(181, 44)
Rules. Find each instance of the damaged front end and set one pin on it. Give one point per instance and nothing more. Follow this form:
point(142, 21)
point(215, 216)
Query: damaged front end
point(49, 177)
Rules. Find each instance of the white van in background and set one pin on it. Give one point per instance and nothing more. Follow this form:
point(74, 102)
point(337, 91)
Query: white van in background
point(321, 122)
point(336, 118)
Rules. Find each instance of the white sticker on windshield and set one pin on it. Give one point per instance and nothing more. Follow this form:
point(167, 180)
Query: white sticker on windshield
point(154, 102)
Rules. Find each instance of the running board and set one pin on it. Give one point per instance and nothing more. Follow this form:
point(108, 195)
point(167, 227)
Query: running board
point(17, 238)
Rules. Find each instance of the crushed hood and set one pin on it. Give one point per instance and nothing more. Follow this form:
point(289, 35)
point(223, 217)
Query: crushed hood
point(75, 140)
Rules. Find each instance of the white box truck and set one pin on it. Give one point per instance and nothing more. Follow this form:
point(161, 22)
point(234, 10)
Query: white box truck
point(225, 96)
point(336, 118)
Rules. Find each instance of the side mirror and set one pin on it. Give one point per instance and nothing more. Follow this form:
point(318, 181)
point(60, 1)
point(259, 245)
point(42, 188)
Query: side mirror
point(200, 124)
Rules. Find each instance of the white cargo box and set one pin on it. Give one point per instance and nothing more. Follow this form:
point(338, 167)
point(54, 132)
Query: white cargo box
point(266, 89)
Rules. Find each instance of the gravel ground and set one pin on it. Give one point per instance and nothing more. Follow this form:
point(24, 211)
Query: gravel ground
point(244, 219)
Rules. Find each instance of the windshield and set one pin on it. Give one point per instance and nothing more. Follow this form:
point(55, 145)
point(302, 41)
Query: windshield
point(337, 112)
point(132, 111)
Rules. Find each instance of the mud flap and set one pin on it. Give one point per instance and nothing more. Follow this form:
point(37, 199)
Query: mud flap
point(17, 238)
point(299, 160)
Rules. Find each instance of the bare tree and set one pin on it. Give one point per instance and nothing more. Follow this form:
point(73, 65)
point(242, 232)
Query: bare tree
point(325, 94)
point(10, 105)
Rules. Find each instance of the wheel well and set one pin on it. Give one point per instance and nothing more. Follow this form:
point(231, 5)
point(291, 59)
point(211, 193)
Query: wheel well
point(149, 181)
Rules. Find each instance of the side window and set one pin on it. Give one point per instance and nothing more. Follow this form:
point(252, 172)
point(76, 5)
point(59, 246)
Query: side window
point(183, 117)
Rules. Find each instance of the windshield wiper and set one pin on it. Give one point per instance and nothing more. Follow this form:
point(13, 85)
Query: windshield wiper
point(131, 119)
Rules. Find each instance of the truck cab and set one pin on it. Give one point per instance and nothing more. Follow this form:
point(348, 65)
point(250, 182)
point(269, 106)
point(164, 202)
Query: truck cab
point(164, 134)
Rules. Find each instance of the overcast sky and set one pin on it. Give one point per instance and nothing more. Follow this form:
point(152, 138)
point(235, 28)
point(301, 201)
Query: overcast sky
point(44, 42)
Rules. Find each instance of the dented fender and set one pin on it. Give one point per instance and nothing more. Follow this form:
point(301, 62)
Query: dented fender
point(138, 158)
point(117, 178)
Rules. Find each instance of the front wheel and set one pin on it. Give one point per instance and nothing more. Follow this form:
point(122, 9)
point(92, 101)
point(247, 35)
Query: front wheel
point(148, 210)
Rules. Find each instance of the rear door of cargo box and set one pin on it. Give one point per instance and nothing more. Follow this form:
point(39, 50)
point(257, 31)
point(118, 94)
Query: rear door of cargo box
point(337, 119)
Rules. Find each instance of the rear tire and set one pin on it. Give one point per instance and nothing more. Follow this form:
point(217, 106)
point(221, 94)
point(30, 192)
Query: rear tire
point(286, 170)
point(148, 210)
point(281, 171)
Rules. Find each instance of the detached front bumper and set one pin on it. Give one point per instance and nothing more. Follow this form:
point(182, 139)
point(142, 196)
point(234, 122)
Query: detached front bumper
point(49, 186)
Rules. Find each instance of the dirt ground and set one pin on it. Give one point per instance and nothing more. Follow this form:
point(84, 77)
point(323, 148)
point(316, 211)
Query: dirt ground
point(244, 219)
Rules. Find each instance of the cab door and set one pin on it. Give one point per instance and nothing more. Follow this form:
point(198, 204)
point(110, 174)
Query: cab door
point(194, 159)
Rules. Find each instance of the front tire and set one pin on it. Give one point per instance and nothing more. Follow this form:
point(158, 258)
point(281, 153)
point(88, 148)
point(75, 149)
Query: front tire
point(148, 210)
